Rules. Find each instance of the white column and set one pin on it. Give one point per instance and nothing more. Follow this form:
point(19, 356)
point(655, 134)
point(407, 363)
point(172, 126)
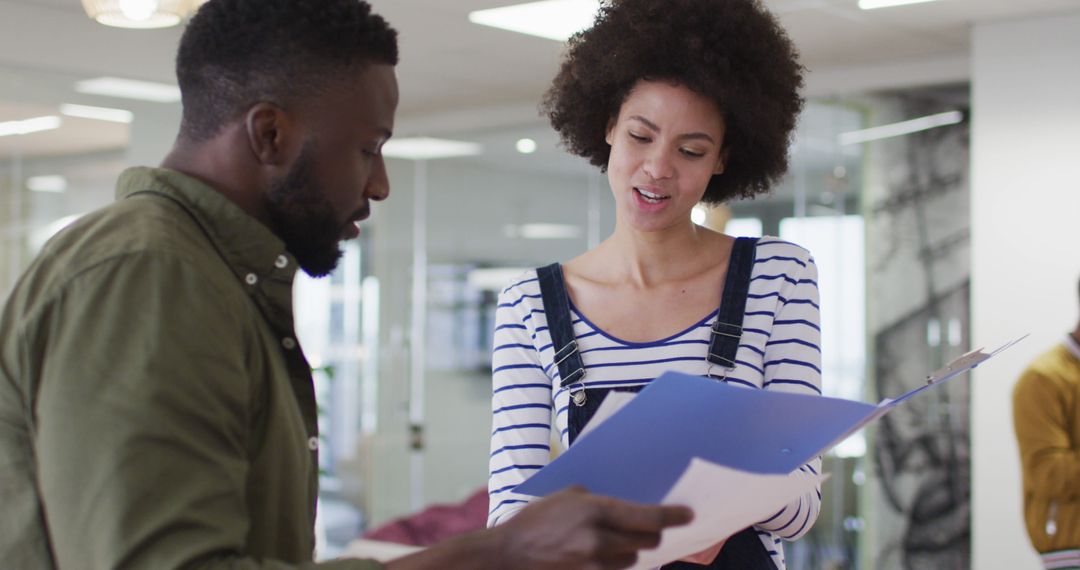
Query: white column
point(1025, 201)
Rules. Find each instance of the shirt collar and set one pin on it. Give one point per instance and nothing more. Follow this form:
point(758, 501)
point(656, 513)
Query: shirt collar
point(1073, 346)
point(257, 257)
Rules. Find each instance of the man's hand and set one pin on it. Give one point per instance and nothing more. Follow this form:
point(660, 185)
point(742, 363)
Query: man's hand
point(573, 529)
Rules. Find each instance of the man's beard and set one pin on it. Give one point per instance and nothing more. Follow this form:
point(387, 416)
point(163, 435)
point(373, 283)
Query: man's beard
point(303, 218)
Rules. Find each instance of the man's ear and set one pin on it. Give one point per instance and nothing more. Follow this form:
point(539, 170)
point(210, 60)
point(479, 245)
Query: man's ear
point(269, 133)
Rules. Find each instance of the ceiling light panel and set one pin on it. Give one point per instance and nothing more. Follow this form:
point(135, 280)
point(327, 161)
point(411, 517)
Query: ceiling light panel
point(552, 19)
point(130, 89)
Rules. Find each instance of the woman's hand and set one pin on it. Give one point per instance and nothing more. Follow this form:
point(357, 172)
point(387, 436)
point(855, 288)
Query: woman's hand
point(705, 556)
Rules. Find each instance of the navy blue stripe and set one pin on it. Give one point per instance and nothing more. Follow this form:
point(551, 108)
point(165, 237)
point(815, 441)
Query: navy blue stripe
point(743, 382)
point(545, 447)
point(810, 468)
point(640, 362)
point(795, 383)
point(522, 386)
point(780, 257)
point(766, 296)
point(797, 322)
point(795, 341)
point(506, 502)
point(518, 302)
point(506, 346)
point(802, 302)
point(503, 490)
point(760, 314)
point(608, 384)
point(773, 277)
point(522, 407)
point(758, 331)
point(512, 467)
point(562, 409)
point(793, 362)
point(793, 518)
point(519, 284)
point(667, 344)
point(772, 518)
point(501, 327)
point(753, 348)
point(805, 522)
point(516, 367)
point(750, 366)
point(521, 426)
point(806, 281)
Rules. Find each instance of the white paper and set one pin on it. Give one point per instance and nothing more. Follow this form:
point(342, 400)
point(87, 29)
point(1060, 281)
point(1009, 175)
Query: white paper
point(612, 403)
point(967, 362)
point(724, 502)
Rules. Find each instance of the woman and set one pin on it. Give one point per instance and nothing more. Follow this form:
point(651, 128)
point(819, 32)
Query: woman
point(680, 101)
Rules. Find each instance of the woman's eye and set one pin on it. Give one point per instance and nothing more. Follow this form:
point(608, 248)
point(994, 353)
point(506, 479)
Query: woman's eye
point(638, 137)
point(692, 153)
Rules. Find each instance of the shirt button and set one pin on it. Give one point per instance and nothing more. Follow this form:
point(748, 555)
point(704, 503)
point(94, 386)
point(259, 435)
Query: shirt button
point(288, 343)
point(251, 279)
point(313, 443)
point(281, 262)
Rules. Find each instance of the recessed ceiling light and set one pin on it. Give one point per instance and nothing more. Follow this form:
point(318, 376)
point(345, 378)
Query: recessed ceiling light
point(874, 4)
point(901, 128)
point(526, 146)
point(97, 113)
point(27, 126)
point(425, 148)
point(52, 183)
point(130, 89)
point(551, 19)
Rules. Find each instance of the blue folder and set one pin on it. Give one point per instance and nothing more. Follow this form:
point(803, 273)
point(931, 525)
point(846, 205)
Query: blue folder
point(640, 452)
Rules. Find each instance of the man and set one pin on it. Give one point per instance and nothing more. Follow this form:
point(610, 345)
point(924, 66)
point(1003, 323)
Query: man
point(1046, 414)
point(155, 409)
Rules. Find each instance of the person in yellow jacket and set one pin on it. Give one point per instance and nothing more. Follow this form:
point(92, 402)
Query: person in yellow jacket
point(1046, 415)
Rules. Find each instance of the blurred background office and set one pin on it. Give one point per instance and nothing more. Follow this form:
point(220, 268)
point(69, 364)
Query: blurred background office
point(934, 177)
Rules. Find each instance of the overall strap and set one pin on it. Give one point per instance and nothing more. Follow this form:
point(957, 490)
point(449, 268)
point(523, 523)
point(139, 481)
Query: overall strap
point(559, 322)
point(727, 331)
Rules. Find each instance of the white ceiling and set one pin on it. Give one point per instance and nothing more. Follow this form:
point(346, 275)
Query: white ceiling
point(458, 76)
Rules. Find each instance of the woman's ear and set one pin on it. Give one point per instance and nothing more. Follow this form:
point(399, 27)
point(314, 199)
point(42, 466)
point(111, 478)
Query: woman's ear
point(609, 135)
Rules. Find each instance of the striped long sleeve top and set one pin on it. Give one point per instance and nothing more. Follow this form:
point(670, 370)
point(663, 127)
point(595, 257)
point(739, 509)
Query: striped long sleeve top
point(779, 350)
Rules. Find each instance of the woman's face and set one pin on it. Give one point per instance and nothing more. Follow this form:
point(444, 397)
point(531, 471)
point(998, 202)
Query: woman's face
point(666, 144)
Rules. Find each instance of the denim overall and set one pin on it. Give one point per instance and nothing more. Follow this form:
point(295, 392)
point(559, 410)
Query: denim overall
point(744, 550)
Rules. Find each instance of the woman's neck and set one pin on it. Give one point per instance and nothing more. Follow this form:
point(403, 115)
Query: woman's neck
point(648, 258)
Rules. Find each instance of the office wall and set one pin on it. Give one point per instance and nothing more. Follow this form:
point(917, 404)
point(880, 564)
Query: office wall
point(1025, 203)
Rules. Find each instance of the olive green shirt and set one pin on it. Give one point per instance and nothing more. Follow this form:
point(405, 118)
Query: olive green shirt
point(155, 409)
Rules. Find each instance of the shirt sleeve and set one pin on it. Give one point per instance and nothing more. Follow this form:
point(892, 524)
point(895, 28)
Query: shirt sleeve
point(521, 406)
point(143, 412)
point(1048, 454)
point(793, 364)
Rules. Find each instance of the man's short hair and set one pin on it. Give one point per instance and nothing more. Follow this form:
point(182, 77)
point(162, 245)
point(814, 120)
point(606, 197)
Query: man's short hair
point(236, 53)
